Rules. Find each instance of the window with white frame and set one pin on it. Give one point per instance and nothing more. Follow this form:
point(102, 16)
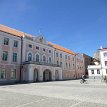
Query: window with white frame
point(15, 43)
point(6, 41)
point(57, 54)
point(3, 73)
point(13, 74)
point(49, 60)
point(98, 71)
point(105, 54)
point(105, 63)
point(37, 58)
point(44, 59)
point(37, 47)
point(14, 57)
point(65, 56)
point(60, 55)
point(61, 64)
point(57, 62)
point(106, 71)
point(30, 46)
point(5, 56)
point(92, 71)
point(29, 57)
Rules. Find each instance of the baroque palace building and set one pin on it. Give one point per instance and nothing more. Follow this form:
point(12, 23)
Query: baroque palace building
point(24, 57)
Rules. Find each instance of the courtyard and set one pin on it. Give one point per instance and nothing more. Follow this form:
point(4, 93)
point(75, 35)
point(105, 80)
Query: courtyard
point(55, 94)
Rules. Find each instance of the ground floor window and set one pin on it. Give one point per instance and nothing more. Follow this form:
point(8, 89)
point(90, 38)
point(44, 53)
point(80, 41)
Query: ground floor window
point(13, 74)
point(3, 73)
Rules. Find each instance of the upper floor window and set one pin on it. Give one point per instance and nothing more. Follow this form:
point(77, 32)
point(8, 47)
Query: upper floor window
point(3, 73)
point(37, 58)
point(44, 59)
point(106, 71)
point(57, 54)
point(44, 49)
point(13, 74)
point(66, 65)
point(98, 71)
point(49, 60)
point(15, 43)
point(61, 64)
point(5, 56)
point(65, 56)
point(105, 54)
point(49, 51)
point(29, 57)
point(6, 41)
point(37, 47)
point(57, 62)
point(92, 71)
point(68, 57)
point(14, 57)
point(105, 63)
point(30, 46)
point(60, 55)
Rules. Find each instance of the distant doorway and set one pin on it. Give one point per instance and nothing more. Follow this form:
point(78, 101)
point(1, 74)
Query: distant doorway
point(47, 76)
point(56, 75)
point(35, 75)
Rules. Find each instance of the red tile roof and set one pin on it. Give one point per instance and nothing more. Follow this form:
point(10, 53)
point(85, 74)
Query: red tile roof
point(21, 34)
point(61, 48)
point(12, 31)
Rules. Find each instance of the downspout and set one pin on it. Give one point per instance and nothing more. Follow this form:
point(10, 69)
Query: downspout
point(21, 57)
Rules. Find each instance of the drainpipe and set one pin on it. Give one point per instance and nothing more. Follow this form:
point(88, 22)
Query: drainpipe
point(21, 56)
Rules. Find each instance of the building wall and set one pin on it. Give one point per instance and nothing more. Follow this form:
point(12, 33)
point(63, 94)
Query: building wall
point(9, 64)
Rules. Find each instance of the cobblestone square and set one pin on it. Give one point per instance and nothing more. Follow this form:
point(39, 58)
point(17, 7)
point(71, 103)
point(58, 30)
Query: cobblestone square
point(55, 94)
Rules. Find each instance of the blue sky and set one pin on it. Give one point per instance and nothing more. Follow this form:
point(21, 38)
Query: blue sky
point(79, 25)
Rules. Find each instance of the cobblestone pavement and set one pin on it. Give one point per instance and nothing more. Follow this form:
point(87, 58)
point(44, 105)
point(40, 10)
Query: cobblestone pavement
point(55, 94)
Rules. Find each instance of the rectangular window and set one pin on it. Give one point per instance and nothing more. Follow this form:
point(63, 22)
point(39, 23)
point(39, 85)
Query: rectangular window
point(105, 54)
point(98, 71)
point(3, 73)
point(57, 54)
point(61, 64)
point(37, 47)
point(14, 57)
point(65, 56)
point(6, 41)
point(30, 46)
point(15, 43)
point(105, 63)
point(13, 74)
point(44, 49)
point(49, 51)
point(60, 55)
point(92, 71)
point(5, 56)
point(106, 71)
point(68, 57)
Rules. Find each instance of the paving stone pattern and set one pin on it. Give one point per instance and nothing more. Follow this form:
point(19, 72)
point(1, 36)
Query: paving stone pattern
point(55, 94)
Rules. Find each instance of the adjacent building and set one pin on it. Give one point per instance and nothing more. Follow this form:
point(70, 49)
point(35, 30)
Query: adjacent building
point(100, 69)
point(24, 57)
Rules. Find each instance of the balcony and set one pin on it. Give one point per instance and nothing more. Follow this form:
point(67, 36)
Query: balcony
point(40, 63)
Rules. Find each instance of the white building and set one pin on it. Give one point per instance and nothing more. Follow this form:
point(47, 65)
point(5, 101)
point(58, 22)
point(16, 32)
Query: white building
point(99, 70)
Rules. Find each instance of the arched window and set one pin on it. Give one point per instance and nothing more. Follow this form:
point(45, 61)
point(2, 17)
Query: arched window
point(29, 57)
point(44, 59)
point(37, 58)
point(49, 60)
